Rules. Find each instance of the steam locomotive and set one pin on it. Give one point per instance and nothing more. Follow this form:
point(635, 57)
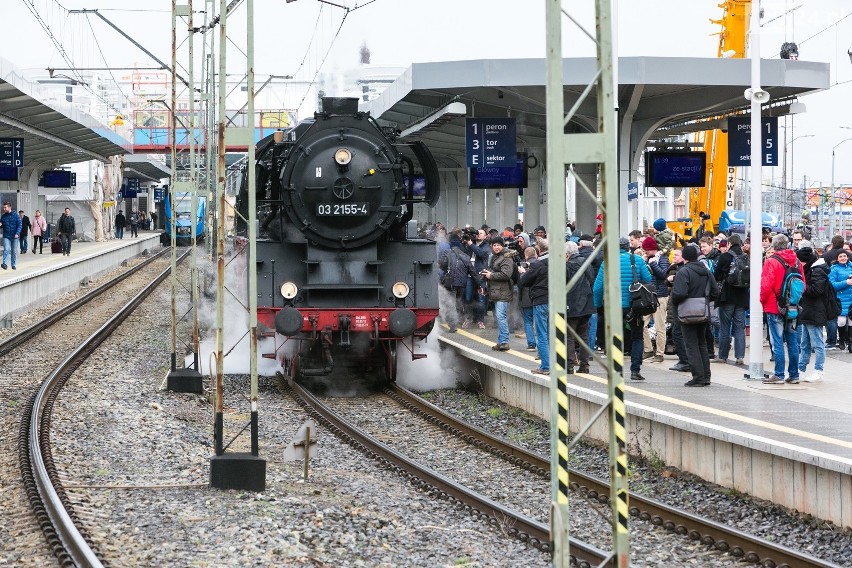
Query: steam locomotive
point(341, 273)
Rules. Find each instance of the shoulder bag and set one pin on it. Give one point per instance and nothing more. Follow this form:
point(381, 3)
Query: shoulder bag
point(695, 310)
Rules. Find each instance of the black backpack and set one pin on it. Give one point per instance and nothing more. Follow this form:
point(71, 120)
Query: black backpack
point(739, 272)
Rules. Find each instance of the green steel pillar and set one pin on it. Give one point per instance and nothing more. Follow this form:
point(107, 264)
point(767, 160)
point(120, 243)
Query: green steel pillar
point(607, 126)
point(559, 526)
point(593, 148)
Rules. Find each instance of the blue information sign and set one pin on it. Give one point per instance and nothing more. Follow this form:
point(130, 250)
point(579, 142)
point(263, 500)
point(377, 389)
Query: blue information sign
point(739, 141)
point(159, 194)
point(490, 142)
point(12, 152)
point(632, 191)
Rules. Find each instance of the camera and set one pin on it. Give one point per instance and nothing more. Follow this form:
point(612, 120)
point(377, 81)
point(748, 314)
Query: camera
point(524, 265)
point(510, 243)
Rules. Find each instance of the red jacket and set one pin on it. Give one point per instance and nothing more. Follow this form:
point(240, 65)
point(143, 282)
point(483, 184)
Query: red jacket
point(772, 278)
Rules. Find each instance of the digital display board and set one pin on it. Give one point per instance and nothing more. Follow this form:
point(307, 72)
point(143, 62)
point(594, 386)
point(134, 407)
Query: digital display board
point(675, 169)
point(58, 178)
point(8, 173)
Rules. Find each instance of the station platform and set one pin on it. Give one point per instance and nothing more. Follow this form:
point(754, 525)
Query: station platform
point(39, 278)
point(789, 444)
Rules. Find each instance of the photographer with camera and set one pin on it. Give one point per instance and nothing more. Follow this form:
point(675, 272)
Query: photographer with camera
point(498, 275)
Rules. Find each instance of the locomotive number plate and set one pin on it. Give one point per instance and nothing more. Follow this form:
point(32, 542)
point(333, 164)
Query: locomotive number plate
point(343, 209)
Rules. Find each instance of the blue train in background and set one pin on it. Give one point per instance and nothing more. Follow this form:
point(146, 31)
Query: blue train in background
point(183, 219)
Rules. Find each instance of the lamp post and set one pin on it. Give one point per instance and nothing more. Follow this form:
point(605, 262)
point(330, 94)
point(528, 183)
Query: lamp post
point(833, 196)
point(784, 174)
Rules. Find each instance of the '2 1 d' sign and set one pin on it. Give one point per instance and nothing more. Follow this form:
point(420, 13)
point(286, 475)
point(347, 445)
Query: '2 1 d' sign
point(12, 152)
point(490, 142)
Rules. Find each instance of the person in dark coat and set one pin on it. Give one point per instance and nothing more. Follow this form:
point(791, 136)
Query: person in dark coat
point(25, 230)
point(830, 257)
point(658, 264)
point(682, 364)
point(733, 303)
point(587, 249)
point(814, 313)
point(579, 306)
point(525, 302)
point(66, 229)
point(120, 224)
point(456, 264)
point(693, 281)
point(535, 278)
point(498, 276)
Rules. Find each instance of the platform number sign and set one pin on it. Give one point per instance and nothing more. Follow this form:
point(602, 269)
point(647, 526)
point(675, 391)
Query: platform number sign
point(490, 142)
point(739, 141)
point(12, 152)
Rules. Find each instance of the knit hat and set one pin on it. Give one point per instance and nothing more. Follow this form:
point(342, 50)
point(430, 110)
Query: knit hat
point(724, 243)
point(690, 253)
point(660, 224)
point(648, 243)
point(623, 244)
point(805, 252)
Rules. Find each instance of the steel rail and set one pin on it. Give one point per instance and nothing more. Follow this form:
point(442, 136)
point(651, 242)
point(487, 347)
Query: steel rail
point(47, 498)
point(32, 331)
point(526, 529)
point(739, 544)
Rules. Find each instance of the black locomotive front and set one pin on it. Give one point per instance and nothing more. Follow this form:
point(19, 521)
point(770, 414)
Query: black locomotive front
point(340, 269)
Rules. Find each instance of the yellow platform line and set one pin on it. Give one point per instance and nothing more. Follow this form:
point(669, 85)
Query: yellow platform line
point(686, 404)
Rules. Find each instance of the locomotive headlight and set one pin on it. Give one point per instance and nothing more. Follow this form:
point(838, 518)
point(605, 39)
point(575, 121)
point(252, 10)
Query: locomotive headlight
point(401, 290)
point(343, 157)
point(289, 290)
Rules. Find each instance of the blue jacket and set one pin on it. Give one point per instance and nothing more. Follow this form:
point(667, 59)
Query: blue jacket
point(642, 274)
point(11, 225)
point(838, 275)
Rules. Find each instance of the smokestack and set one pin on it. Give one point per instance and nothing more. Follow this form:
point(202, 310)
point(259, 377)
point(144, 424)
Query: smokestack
point(365, 54)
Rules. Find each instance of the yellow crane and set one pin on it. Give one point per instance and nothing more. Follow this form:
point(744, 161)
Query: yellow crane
point(718, 194)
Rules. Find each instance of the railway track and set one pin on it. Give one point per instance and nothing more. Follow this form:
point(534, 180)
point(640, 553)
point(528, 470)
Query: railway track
point(725, 539)
point(529, 530)
point(90, 323)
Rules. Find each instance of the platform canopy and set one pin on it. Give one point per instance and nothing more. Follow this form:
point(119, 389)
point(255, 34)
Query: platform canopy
point(145, 167)
point(53, 130)
point(654, 93)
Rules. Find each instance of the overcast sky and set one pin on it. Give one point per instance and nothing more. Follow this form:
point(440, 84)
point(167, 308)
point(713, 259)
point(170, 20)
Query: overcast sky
point(399, 32)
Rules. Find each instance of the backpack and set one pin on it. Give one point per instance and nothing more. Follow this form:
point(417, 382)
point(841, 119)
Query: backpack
point(643, 301)
point(792, 288)
point(447, 278)
point(740, 271)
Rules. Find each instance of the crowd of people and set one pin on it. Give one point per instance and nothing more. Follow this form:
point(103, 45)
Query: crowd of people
point(17, 227)
point(700, 288)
